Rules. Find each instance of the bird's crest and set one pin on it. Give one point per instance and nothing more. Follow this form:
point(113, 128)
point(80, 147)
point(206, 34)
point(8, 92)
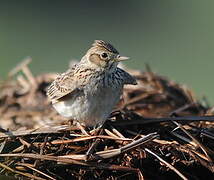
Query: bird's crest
point(106, 45)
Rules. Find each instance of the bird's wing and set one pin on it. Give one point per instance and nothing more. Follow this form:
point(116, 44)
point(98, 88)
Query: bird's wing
point(127, 78)
point(64, 84)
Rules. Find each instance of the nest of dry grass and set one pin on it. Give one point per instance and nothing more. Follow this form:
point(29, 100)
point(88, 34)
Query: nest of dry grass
point(159, 130)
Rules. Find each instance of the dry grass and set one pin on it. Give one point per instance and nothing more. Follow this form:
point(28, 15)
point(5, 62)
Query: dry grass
point(158, 130)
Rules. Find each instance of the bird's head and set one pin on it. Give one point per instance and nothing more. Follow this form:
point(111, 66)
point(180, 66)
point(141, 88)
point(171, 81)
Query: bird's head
point(103, 55)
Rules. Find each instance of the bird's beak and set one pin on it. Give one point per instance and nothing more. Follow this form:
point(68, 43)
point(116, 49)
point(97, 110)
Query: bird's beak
point(121, 58)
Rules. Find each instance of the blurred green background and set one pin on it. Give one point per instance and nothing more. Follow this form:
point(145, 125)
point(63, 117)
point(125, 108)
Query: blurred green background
point(176, 37)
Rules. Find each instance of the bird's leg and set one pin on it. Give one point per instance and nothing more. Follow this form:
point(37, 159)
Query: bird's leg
point(95, 131)
point(82, 129)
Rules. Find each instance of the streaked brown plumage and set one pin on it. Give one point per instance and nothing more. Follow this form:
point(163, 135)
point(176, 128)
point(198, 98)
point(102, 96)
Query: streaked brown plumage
point(88, 91)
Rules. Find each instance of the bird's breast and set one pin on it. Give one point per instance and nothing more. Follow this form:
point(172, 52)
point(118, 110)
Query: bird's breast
point(94, 104)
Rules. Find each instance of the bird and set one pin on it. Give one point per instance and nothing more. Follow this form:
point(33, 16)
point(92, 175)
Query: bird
point(89, 90)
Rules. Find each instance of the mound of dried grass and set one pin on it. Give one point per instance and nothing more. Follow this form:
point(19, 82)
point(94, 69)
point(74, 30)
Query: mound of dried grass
point(157, 131)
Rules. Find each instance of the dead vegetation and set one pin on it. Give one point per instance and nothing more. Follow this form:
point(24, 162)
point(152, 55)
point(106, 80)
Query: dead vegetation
point(159, 130)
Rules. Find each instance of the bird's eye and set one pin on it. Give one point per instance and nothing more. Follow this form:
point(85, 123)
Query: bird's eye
point(104, 55)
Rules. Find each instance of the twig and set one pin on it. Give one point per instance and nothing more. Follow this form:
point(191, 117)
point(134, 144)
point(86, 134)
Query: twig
point(44, 130)
point(116, 132)
point(63, 160)
point(88, 138)
point(167, 164)
point(36, 170)
point(21, 173)
point(194, 139)
point(180, 109)
point(138, 142)
point(113, 152)
point(141, 121)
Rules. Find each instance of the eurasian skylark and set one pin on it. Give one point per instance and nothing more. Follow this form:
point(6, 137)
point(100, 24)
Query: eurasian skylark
point(89, 90)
